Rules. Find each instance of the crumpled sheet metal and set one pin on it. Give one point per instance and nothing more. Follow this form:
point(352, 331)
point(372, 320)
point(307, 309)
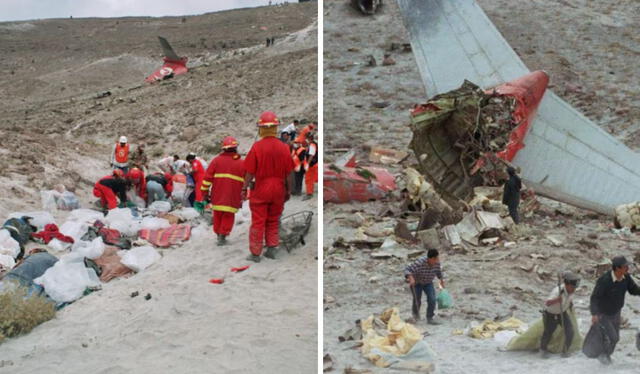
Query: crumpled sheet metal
point(488, 328)
point(347, 185)
point(388, 340)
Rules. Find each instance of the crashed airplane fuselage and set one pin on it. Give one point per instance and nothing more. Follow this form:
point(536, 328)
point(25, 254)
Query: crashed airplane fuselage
point(565, 156)
point(173, 64)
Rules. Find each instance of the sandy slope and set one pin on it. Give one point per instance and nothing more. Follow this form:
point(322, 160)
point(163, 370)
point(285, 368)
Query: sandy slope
point(579, 52)
point(55, 130)
point(261, 320)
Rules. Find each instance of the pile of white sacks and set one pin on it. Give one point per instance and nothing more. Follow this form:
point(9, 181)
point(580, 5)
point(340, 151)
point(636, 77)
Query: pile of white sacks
point(68, 279)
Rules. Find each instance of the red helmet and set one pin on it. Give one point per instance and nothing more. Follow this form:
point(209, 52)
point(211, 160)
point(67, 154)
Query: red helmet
point(267, 119)
point(118, 173)
point(229, 142)
point(135, 174)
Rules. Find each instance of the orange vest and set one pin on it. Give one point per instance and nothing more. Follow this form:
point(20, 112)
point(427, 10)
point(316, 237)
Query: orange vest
point(295, 154)
point(122, 153)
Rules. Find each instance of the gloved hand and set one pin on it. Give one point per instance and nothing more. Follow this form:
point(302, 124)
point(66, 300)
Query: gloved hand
point(199, 206)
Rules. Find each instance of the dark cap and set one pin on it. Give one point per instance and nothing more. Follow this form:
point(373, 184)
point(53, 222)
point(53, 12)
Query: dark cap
point(619, 261)
point(570, 276)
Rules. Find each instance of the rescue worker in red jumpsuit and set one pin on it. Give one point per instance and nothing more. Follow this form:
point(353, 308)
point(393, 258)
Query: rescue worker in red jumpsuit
point(136, 177)
point(302, 137)
point(225, 178)
point(270, 163)
point(106, 188)
point(311, 166)
point(197, 173)
point(298, 155)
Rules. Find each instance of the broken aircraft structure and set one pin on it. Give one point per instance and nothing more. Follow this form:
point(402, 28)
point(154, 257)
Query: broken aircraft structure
point(173, 64)
point(565, 156)
point(367, 7)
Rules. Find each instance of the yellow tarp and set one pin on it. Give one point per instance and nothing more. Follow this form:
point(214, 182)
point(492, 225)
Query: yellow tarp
point(388, 333)
point(489, 328)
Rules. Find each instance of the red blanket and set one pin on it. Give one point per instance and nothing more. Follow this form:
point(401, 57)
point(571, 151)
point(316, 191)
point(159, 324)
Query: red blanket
point(51, 232)
point(173, 234)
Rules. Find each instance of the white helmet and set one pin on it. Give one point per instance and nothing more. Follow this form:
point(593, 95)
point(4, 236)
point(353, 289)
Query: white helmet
point(123, 139)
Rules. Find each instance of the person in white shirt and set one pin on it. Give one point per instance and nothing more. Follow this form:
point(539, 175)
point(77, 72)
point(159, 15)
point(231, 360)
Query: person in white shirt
point(291, 129)
point(182, 167)
point(556, 312)
point(166, 164)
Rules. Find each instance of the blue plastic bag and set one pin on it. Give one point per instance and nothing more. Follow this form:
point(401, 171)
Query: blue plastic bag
point(444, 299)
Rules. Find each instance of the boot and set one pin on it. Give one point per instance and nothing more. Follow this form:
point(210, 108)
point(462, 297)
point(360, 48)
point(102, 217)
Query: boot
point(431, 321)
point(545, 354)
point(253, 258)
point(270, 253)
point(222, 239)
point(307, 197)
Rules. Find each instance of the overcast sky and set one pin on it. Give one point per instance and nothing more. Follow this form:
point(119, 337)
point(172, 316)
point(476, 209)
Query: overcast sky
point(14, 10)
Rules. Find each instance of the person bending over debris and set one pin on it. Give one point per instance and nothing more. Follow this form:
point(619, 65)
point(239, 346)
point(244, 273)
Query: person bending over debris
point(159, 187)
point(197, 173)
point(224, 177)
point(607, 300)
point(311, 166)
point(166, 164)
point(136, 177)
point(270, 163)
point(120, 155)
point(420, 275)
point(556, 312)
point(110, 186)
point(181, 166)
point(291, 129)
point(511, 194)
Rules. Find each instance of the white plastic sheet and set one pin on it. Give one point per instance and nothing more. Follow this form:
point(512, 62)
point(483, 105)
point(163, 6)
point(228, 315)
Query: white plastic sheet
point(139, 258)
point(38, 219)
point(153, 223)
point(7, 261)
point(66, 281)
point(122, 219)
point(48, 199)
point(160, 206)
point(92, 249)
point(58, 245)
point(186, 213)
point(8, 245)
point(85, 215)
point(74, 229)
point(243, 215)
point(68, 201)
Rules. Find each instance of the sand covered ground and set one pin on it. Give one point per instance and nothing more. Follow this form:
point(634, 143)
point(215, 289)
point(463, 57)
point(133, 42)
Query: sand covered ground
point(589, 50)
point(57, 131)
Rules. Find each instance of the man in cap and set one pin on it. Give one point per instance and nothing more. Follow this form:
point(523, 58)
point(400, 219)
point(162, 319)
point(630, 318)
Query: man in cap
point(120, 155)
point(225, 178)
point(420, 275)
point(139, 159)
point(607, 300)
point(270, 163)
point(197, 173)
point(311, 166)
point(556, 312)
point(511, 194)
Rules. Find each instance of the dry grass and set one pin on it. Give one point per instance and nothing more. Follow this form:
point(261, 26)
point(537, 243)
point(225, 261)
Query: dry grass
point(21, 314)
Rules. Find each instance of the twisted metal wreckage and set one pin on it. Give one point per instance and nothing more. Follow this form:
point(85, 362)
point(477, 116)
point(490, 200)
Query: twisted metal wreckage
point(458, 143)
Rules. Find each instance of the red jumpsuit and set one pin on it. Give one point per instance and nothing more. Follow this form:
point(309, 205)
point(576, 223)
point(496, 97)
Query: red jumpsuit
point(225, 176)
point(106, 194)
point(270, 162)
point(197, 172)
point(139, 184)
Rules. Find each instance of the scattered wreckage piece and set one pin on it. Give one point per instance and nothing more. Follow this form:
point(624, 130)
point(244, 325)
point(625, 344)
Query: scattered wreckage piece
point(368, 7)
point(462, 138)
point(344, 184)
point(567, 157)
point(386, 156)
point(472, 226)
point(173, 64)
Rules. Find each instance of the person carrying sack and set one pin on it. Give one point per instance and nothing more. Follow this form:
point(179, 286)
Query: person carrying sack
point(607, 300)
point(556, 312)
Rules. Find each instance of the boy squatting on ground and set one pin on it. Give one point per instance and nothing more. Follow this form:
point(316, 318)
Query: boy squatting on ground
point(420, 275)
